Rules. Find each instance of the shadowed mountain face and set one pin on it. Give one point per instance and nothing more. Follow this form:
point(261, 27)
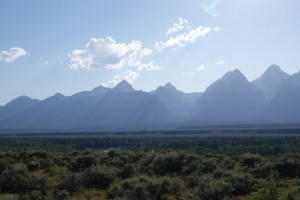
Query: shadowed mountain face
point(230, 99)
point(178, 102)
point(128, 109)
point(124, 107)
point(15, 106)
point(98, 91)
point(101, 107)
point(122, 87)
point(272, 98)
point(285, 106)
point(271, 80)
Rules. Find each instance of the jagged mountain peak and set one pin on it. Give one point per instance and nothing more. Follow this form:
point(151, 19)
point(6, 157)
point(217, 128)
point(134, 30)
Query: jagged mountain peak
point(235, 75)
point(16, 105)
point(296, 75)
point(21, 99)
point(270, 81)
point(123, 86)
point(235, 78)
point(167, 87)
point(100, 87)
point(274, 70)
point(231, 98)
point(123, 82)
point(100, 90)
point(97, 91)
point(294, 79)
point(56, 96)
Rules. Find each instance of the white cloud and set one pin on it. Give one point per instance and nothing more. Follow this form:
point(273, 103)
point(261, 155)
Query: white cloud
point(147, 66)
point(107, 53)
point(220, 62)
point(201, 67)
point(179, 25)
point(184, 38)
point(129, 76)
point(146, 52)
point(217, 29)
point(11, 54)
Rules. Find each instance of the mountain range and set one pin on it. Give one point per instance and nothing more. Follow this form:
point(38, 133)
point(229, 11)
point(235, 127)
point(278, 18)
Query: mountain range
point(272, 98)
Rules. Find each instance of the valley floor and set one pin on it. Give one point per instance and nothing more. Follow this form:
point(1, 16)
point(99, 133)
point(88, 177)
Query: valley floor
point(161, 165)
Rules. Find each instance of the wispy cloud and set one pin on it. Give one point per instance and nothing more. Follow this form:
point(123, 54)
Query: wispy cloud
point(11, 54)
point(182, 39)
point(220, 62)
point(130, 76)
point(217, 28)
point(107, 53)
point(201, 67)
point(150, 66)
point(179, 25)
point(189, 36)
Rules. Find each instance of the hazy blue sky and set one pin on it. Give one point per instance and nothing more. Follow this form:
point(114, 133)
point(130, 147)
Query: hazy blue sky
point(68, 46)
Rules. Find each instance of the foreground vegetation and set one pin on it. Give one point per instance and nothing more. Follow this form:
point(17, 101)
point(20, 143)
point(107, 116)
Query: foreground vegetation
point(254, 168)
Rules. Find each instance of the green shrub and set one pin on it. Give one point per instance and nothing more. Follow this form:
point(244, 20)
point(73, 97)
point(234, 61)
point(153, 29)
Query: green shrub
point(146, 188)
point(62, 194)
point(83, 163)
point(167, 163)
point(33, 166)
point(17, 180)
point(73, 182)
point(268, 191)
point(294, 194)
point(210, 188)
point(99, 177)
point(250, 160)
point(289, 168)
point(127, 171)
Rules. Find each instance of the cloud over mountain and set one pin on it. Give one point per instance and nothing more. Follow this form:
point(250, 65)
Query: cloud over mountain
point(129, 75)
point(107, 53)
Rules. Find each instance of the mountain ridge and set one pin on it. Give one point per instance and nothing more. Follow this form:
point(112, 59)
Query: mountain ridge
point(231, 99)
point(217, 104)
point(270, 81)
point(177, 101)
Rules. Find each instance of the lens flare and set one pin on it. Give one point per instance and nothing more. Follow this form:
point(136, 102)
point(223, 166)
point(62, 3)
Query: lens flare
point(210, 9)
